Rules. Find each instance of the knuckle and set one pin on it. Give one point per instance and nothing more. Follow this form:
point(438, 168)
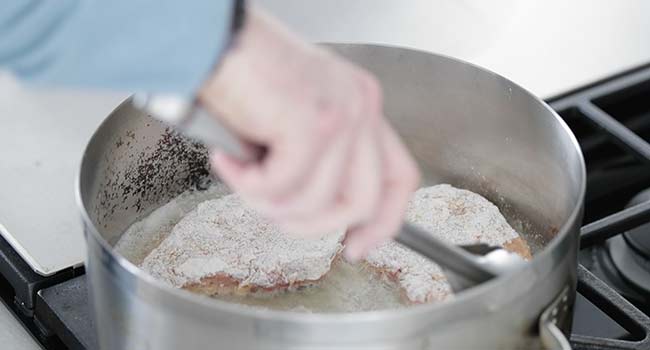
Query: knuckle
point(367, 205)
point(329, 119)
point(412, 179)
point(371, 94)
point(278, 186)
point(407, 180)
point(369, 210)
point(360, 212)
point(365, 101)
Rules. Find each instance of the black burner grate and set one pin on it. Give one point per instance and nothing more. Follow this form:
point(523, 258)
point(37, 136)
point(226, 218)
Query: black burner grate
point(612, 123)
point(613, 304)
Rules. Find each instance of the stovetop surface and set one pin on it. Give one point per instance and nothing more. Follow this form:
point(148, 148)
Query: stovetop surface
point(611, 120)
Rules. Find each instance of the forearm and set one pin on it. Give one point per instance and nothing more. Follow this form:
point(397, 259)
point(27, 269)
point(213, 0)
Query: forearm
point(152, 46)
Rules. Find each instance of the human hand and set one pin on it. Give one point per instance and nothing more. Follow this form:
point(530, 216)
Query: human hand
point(333, 160)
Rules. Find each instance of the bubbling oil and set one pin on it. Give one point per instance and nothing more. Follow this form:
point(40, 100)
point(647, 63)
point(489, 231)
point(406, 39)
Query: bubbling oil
point(345, 288)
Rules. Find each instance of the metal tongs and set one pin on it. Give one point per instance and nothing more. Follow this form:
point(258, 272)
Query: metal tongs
point(464, 266)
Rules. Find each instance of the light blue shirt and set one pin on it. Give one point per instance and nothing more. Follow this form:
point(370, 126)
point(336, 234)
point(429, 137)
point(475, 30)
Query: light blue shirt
point(160, 46)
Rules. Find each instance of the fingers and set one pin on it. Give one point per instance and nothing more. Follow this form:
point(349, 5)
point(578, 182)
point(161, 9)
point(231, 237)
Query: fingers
point(322, 187)
point(331, 162)
point(357, 197)
point(291, 183)
point(284, 166)
point(289, 169)
point(325, 201)
point(230, 169)
point(401, 180)
point(297, 149)
point(371, 196)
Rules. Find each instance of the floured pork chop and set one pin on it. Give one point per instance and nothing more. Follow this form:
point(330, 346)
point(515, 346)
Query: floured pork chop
point(454, 215)
point(224, 247)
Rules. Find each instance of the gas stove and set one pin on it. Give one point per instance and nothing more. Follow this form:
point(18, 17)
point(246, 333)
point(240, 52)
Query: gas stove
point(611, 120)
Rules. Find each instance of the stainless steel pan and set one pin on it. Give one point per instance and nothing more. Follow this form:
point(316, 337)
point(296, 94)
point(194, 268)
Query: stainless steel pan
point(466, 126)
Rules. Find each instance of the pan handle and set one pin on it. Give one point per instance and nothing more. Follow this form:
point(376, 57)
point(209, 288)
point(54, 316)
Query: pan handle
point(204, 127)
point(555, 314)
point(196, 122)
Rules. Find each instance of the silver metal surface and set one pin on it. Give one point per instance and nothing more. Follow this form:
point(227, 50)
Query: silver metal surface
point(463, 269)
point(205, 128)
point(196, 122)
point(554, 317)
point(465, 126)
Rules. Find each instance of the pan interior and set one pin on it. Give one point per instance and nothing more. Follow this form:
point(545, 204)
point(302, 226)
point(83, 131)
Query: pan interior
point(465, 127)
point(346, 288)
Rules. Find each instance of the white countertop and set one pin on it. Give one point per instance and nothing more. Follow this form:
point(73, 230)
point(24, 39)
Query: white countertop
point(548, 47)
point(42, 136)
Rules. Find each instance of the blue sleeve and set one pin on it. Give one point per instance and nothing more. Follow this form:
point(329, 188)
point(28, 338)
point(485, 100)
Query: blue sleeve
point(161, 46)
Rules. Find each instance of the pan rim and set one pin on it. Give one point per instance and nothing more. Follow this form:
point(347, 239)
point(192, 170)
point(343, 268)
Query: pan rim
point(323, 319)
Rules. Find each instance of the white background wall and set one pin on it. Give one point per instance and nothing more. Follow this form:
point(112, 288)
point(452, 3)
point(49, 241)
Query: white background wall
point(548, 46)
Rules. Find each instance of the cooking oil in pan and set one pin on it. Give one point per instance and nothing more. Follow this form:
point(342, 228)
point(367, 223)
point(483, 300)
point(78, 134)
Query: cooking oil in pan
point(346, 287)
